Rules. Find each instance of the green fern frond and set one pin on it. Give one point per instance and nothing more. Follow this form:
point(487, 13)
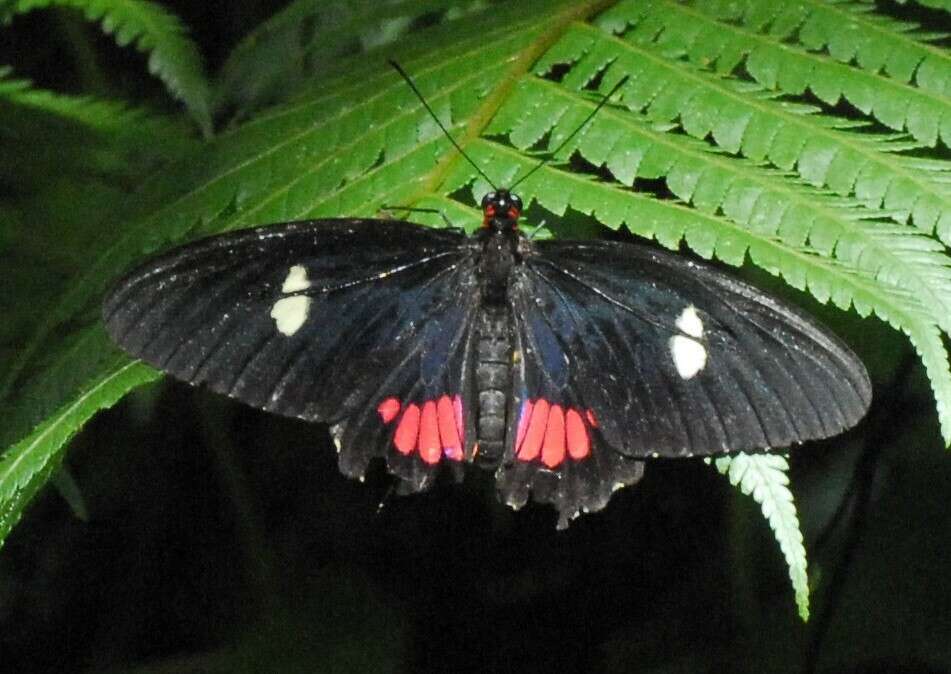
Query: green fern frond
point(764, 477)
point(26, 466)
point(759, 35)
point(741, 118)
point(172, 56)
point(115, 121)
point(300, 42)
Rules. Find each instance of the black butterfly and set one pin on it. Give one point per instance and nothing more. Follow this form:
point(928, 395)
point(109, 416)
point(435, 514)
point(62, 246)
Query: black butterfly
point(560, 365)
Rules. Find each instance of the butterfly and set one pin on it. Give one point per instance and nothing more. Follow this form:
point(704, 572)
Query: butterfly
point(561, 366)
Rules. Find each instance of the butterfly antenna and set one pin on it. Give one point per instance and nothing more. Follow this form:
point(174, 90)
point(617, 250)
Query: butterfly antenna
point(551, 155)
point(452, 140)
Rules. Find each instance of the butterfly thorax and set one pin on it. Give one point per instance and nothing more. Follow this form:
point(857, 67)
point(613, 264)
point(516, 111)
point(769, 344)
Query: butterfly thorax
point(499, 239)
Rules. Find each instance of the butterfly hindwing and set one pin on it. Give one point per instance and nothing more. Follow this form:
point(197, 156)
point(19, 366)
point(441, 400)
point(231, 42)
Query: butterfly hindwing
point(556, 451)
point(320, 320)
point(418, 415)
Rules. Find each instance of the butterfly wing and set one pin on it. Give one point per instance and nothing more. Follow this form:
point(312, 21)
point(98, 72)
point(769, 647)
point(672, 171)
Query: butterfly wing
point(661, 356)
point(322, 320)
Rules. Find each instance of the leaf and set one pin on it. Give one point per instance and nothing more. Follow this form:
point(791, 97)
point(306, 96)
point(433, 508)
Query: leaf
point(745, 118)
point(687, 155)
point(26, 466)
point(302, 40)
point(778, 44)
point(764, 477)
point(69, 161)
point(172, 56)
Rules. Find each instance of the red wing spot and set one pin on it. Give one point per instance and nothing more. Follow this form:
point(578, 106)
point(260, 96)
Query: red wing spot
point(448, 431)
point(535, 433)
point(429, 448)
point(388, 409)
point(579, 444)
point(593, 420)
point(553, 450)
point(523, 419)
point(407, 430)
point(457, 410)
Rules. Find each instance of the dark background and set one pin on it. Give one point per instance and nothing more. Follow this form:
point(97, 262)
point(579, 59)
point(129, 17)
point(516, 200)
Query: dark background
point(220, 539)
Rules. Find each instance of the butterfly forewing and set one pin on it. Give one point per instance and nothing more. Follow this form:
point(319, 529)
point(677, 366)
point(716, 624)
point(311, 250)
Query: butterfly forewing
point(320, 320)
point(676, 358)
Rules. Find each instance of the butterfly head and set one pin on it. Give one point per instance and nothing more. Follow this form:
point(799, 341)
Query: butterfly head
point(501, 209)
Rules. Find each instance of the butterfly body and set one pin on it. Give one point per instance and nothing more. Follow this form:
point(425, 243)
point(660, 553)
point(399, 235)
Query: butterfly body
point(561, 366)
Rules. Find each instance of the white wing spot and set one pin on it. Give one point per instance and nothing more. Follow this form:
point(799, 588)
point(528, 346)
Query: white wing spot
point(689, 356)
point(688, 353)
point(689, 322)
point(289, 313)
point(296, 280)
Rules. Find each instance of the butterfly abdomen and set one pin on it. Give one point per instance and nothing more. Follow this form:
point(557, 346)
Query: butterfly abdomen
point(493, 381)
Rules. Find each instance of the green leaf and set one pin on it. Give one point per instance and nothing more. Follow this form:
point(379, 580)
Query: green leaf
point(302, 41)
point(172, 56)
point(69, 161)
point(748, 119)
point(26, 466)
point(764, 477)
point(874, 62)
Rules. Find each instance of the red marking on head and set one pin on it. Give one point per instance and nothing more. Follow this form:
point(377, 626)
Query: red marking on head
point(593, 420)
point(553, 449)
point(513, 213)
point(388, 409)
point(535, 434)
point(448, 431)
point(430, 450)
point(487, 215)
point(407, 430)
point(523, 419)
point(579, 444)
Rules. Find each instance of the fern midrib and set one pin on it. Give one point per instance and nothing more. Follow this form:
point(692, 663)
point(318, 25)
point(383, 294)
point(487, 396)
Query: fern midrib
point(872, 26)
point(871, 80)
point(705, 81)
point(915, 281)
